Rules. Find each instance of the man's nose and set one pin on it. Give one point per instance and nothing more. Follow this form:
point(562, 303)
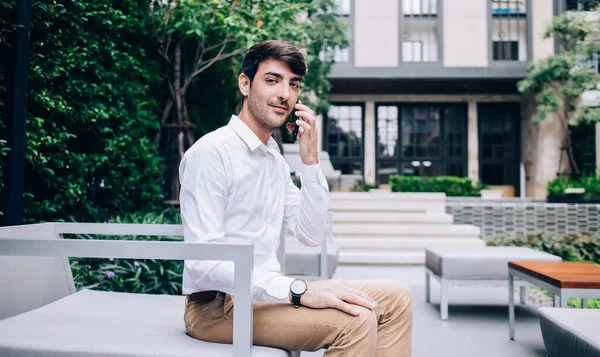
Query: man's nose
point(284, 92)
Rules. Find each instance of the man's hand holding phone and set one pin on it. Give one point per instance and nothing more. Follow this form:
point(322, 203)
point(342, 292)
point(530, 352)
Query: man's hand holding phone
point(308, 135)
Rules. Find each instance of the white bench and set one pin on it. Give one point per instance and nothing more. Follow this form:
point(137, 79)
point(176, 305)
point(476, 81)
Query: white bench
point(41, 314)
point(291, 154)
point(482, 265)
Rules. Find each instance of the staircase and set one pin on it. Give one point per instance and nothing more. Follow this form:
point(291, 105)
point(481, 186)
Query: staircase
point(381, 227)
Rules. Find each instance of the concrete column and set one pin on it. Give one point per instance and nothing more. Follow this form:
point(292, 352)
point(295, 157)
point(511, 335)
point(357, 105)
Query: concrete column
point(473, 142)
point(540, 148)
point(321, 126)
point(370, 145)
point(597, 147)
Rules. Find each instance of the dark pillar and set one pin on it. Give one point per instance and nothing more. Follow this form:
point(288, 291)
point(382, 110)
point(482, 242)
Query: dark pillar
point(12, 196)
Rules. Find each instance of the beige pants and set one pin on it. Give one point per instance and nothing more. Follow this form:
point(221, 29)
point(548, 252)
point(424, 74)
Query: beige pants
point(385, 331)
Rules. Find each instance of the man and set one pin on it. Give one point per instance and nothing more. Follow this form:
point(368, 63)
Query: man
point(236, 187)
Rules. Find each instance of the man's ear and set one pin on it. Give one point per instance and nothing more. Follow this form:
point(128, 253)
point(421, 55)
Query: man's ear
point(244, 84)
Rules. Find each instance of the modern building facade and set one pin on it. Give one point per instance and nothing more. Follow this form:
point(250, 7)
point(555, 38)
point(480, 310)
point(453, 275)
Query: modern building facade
point(429, 88)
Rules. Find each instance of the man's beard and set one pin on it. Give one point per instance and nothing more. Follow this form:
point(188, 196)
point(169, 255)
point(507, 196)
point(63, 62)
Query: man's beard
point(261, 114)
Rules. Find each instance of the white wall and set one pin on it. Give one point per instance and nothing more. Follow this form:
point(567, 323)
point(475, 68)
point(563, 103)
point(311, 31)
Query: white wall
point(465, 31)
point(376, 33)
point(541, 16)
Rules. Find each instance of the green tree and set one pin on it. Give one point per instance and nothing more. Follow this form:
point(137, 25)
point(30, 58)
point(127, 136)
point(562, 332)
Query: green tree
point(558, 82)
point(91, 116)
point(194, 36)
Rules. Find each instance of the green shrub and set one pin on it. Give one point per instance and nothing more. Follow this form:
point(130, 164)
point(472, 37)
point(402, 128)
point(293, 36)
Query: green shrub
point(363, 187)
point(575, 247)
point(590, 183)
point(91, 114)
point(450, 185)
point(148, 276)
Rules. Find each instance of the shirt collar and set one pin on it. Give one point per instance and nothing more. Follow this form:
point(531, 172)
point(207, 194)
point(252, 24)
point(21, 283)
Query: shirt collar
point(248, 136)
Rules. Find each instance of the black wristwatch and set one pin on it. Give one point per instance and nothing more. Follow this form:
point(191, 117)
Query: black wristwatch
point(297, 288)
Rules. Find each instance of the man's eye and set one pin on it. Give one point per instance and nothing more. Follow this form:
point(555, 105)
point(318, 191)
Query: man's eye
point(295, 85)
point(270, 80)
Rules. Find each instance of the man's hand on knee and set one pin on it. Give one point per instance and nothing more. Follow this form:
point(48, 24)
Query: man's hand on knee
point(337, 294)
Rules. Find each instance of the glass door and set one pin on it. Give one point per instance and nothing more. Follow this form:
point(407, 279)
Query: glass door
point(421, 140)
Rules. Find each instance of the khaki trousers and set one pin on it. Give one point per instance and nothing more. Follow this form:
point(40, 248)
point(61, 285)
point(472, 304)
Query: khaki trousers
point(385, 331)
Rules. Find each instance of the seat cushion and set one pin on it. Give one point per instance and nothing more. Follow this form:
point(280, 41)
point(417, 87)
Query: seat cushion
point(480, 262)
point(303, 260)
point(570, 332)
point(96, 323)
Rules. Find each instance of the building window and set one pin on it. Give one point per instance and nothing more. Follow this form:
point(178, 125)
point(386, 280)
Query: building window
point(505, 50)
point(344, 137)
point(509, 30)
point(420, 25)
point(387, 131)
point(421, 140)
point(499, 127)
point(412, 51)
point(342, 55)
point(582, 5)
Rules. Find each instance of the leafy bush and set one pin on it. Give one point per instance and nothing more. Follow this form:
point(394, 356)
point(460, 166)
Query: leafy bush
point(363, 187)
point(149, 276)
point(451, 185)
point(576, 247)
point(91, 115)
point(590, 183)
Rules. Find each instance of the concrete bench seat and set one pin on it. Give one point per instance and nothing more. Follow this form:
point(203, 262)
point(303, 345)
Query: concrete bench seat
point(41, 313)
point(477, 265)
point(100, 323)
point(301, 260)
point(570, 332)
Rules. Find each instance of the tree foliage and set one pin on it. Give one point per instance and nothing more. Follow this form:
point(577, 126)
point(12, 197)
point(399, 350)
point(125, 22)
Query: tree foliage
point(194, 36)
point(101, 77)
point(90, 111)
point(559, 81)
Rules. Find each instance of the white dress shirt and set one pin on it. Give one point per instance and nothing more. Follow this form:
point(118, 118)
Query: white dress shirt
point(236, 189)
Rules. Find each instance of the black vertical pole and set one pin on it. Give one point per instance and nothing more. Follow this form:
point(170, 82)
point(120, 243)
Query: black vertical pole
point(12, 197)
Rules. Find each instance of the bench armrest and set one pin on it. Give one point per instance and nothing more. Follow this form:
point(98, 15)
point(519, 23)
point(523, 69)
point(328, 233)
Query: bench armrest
point(241, 254)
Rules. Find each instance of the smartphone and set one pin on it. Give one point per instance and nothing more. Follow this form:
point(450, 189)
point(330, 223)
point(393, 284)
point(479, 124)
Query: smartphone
point(293, 119)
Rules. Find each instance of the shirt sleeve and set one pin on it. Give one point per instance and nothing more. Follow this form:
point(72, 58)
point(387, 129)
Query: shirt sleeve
point(205, 178)
point(305, 212)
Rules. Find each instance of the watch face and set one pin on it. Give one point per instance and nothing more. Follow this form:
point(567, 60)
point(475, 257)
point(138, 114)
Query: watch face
point(298, 287)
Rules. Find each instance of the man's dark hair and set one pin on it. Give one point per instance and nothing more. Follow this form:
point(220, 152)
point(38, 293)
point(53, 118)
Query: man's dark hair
point(273, 49)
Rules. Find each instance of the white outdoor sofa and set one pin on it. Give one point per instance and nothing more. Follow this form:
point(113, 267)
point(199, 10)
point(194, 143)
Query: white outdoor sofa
point(476, 265)
point(41, 314)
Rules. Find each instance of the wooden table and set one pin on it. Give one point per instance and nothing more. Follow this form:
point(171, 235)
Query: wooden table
point(563, 279)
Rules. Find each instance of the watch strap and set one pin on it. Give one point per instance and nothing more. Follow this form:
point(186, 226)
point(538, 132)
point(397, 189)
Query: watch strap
point(296, 299)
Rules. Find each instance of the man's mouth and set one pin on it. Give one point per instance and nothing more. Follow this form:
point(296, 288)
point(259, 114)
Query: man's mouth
point(280, 109)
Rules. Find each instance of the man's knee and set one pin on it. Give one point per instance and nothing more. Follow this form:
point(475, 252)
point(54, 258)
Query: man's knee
point(365, 324)
point(400, 294)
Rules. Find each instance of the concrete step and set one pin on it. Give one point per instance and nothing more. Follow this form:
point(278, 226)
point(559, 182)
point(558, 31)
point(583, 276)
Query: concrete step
point(387, 206)
point(392, 217)
point(407, 230)
point(383, 257)
point(387, 195)
point(386, 244)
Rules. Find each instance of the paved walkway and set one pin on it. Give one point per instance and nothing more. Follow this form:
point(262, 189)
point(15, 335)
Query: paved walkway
point(477, 324)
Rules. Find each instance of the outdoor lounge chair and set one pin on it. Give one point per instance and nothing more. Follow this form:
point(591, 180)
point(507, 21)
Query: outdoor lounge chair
point(309, 262)
point(570, 332)
point(41, 314)
point(482, 265)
